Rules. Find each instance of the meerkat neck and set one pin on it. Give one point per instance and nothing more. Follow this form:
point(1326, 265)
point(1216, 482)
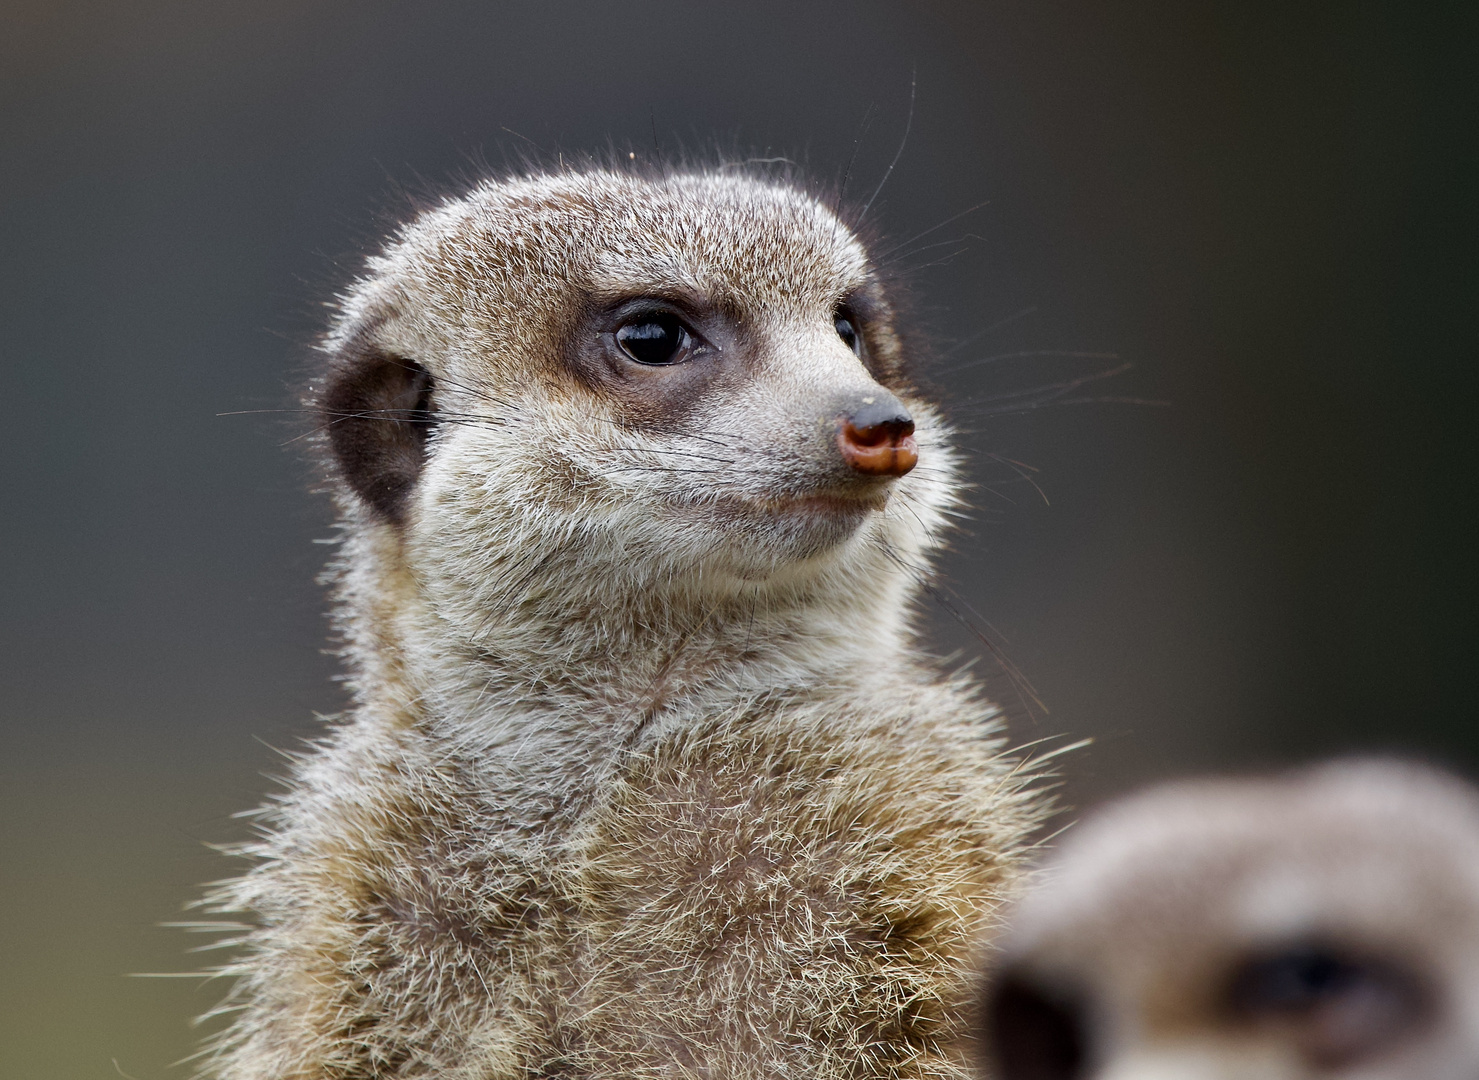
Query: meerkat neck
point(579, 646)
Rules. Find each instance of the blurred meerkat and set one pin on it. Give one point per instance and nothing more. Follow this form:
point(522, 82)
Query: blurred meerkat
point(645, 774)
point(1319, 924)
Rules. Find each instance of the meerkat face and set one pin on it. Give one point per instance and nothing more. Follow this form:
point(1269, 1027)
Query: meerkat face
point(1320, 927)
point(696, 376)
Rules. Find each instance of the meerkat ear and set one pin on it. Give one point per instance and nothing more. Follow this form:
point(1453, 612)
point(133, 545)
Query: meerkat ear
point(376, 410)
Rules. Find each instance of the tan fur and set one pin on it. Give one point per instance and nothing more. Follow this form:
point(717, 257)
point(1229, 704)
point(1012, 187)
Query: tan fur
point(645, 775)
point(1147, 931)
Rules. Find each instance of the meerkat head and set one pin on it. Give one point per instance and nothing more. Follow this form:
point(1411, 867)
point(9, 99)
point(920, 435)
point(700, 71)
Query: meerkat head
point(616, 386)
point(1324, 924)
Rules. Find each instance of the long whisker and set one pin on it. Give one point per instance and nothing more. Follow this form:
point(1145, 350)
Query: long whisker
point(933, 228)
point(909, 123)
point(1023, 471)
point(1056, 402)
point(667, 469)
point(1053, 393)
point(982, 333)
point(943, 261)
point(457, 384)
point(1054, 387)
point(1023, 353)
point(929, 247)
point(430, 416)
point(679, 453)
point(1020, 684)
point(851, 160)
point(723, 439)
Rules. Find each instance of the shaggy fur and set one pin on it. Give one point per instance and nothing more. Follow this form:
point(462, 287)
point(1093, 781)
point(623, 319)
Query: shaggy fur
point(645, 775)
point(1318, 926)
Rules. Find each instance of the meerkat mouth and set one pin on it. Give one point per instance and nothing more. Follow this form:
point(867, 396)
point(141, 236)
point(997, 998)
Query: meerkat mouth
point(815, 520)
point(829, 504)
point(831, 507)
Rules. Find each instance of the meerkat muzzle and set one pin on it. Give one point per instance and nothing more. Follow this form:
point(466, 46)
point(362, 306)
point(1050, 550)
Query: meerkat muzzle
point(878, 437)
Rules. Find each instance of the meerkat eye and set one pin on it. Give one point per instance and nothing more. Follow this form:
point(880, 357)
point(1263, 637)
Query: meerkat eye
point(1297, 979)
point(655, 339)
point(848, 332)
point(1341, 1008)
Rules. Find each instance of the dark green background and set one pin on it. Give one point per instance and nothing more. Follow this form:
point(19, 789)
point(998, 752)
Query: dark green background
point(1268, 208)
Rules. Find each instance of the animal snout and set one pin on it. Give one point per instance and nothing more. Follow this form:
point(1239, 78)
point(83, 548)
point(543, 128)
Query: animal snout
point(876, 436)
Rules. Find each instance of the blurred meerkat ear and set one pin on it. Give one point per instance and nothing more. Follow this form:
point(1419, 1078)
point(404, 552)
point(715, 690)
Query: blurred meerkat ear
point(376, 409)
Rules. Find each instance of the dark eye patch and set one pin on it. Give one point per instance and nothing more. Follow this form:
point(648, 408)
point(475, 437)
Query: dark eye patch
point(654, 357)
point(1337, 1004)
point(1296, 980)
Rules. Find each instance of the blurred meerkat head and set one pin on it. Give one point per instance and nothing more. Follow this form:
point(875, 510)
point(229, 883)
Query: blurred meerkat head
point(607, 385)
point(1321, 924)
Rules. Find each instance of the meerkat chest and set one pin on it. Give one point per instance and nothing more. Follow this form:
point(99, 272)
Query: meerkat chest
point(768, 893)
point(763, 893)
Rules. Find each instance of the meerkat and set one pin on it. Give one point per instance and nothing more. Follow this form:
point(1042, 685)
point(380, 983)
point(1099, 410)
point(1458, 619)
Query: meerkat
point(645, 772)
point(1323, 924)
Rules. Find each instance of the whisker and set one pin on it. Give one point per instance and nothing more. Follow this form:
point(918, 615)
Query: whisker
point(1024, 471)
point(381, 414)
point(930, 247)
point(1024, 353)
point(732, 437)
point(933, 228)
point(909, 123)
point(457, 384)
point(1030, 406)
point(724, 438)
point(987, 453)
point(847, 173)
point(1034, 397)
point(1020, 684)
point(679, 453)
point(982, 333)
point(945, 261)
point(667, 469)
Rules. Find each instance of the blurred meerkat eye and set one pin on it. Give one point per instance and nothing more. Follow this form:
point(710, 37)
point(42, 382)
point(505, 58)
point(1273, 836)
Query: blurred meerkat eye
point(655, 339)
point(848, 332)
point(1295, 980)
point(1341, 1007)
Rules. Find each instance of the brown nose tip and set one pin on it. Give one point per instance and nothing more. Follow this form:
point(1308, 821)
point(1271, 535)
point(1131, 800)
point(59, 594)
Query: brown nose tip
point(878, 439)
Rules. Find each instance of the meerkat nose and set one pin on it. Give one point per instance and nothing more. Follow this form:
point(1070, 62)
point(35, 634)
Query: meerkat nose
point(876, 436)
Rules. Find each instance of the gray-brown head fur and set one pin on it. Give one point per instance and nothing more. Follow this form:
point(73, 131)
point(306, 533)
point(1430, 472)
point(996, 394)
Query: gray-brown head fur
point(532, 478)
point(1321, 924)
point(645, 775)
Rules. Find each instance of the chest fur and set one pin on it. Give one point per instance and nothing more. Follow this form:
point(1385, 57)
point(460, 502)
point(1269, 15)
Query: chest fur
point(757, 898)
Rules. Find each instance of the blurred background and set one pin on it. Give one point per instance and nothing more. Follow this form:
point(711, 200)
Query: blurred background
point(1267, 209)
